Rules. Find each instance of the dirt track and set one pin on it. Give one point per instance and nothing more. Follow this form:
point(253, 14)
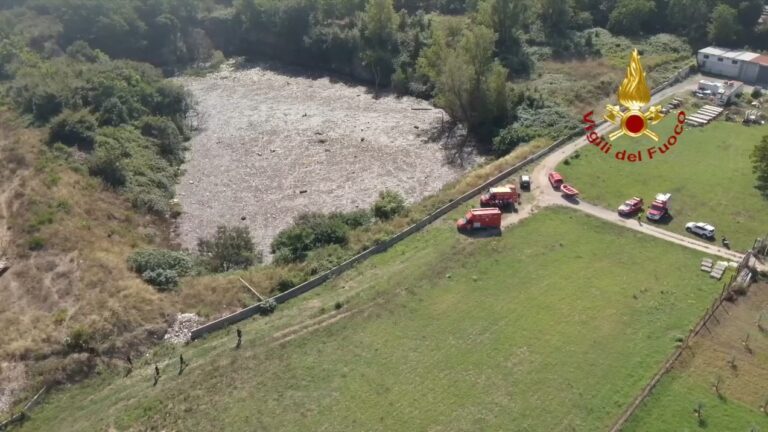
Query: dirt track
point(274, 145)
point(543, 195)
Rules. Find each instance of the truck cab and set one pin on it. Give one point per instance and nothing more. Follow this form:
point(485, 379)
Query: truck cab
point(658, 208)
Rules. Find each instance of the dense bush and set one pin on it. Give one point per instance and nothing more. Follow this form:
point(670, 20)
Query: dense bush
point(73, 128)
point(161, 279)
point(151, 260)
point(534, 122)
point(389, 204)
point(311, 231)
point(230, 248)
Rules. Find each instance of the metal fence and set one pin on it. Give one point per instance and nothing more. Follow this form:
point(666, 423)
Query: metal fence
point(418, 226)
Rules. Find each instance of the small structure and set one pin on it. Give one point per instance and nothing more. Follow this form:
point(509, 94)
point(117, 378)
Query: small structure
point(734, 64)
point(720, 93)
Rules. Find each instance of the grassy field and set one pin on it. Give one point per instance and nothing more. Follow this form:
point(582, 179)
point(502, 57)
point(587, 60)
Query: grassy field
point(555, 325)
point(708, 174)
point(670, 407)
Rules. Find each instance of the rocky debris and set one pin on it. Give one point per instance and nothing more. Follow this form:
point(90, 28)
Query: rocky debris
point(4, 265)
point(181, 329)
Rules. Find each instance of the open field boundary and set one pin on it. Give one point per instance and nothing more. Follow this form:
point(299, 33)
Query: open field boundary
point(418, 226)
point(669, 363)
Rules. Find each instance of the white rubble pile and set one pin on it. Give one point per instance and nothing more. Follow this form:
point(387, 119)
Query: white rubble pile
point(181, 329)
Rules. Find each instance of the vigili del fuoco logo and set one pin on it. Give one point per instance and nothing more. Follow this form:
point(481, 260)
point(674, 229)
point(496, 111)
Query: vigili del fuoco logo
point(632, 120)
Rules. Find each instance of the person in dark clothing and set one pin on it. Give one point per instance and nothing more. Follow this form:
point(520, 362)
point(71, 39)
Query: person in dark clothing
point(157, 374)
point(182, 364)
point(239, 337)
point(130, 365)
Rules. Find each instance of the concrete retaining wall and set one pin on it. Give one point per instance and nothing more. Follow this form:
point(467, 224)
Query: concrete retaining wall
point(418, 226)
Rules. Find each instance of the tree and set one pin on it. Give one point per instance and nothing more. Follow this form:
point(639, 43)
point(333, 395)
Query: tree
point(723, 28)
point(759, 158)
point(379, 29)
point(631, 17)
point(749, 12)
point(508, 18)
point(230, 248)
point(555, 17)
point(689, 18)
point(389, 205)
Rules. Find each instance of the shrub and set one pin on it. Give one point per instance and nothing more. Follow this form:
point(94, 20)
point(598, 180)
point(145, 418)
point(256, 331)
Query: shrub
point(36, 243)
point(113, 113)
point(311, 231)
point(228, 249)
point(73, 128)
point(167, 137)
point(161, 279)
point(269, 306)
point(389, 205)
point(756, 93)
point(154, 260)
point(108, 161)
point(79, 339)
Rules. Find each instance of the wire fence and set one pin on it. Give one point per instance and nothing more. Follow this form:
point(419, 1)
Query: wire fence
point(669, 363)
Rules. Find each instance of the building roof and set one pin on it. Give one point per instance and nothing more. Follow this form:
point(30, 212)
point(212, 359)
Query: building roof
point(712, 51)
point(736, 55)
point(760, 59)
point(747, 56)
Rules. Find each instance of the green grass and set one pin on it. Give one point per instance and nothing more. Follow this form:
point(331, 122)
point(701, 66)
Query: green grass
point(556, 325)
point(670, 408)
point(708, 173)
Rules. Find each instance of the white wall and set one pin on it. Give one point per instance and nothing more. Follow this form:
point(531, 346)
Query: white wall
point(724, 68)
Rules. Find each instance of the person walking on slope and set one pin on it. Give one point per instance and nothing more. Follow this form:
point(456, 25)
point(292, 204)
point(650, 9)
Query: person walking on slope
point(182, 364)
point(157, 375)
point(239, 338)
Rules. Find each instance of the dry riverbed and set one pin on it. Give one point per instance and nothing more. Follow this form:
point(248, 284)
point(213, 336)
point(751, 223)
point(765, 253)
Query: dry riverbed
point(272, 145)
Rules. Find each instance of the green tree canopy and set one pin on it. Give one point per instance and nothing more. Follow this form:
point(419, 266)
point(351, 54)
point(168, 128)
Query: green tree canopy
point(724, 26)
point(632, 17)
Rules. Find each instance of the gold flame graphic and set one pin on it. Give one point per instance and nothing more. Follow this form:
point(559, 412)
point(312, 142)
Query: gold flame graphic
point(634, 92)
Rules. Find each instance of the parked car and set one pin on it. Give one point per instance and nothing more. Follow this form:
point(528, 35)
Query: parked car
point(525, 182)
point(701, 229)
point(631, 206)
point(555, 179)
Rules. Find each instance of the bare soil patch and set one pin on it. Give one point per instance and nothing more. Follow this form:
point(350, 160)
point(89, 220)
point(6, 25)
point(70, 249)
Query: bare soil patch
point(275, 144)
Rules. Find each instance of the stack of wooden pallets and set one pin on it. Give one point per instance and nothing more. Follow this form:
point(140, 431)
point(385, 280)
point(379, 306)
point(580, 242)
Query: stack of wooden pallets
point(703, 116)
point(718, 270)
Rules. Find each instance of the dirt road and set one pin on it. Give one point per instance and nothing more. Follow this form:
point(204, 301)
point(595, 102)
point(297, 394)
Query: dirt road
point(543, 195)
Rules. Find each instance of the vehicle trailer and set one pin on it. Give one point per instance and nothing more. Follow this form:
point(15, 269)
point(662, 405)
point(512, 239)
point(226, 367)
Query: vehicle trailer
point(480, 218)
point(500, 197)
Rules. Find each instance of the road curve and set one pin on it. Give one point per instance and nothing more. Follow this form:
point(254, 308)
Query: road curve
point(543, 195)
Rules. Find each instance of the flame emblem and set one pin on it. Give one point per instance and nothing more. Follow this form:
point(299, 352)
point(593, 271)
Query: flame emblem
point(633, 95)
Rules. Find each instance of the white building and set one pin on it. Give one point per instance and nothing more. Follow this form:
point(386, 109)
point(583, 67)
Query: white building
point(741, 65)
